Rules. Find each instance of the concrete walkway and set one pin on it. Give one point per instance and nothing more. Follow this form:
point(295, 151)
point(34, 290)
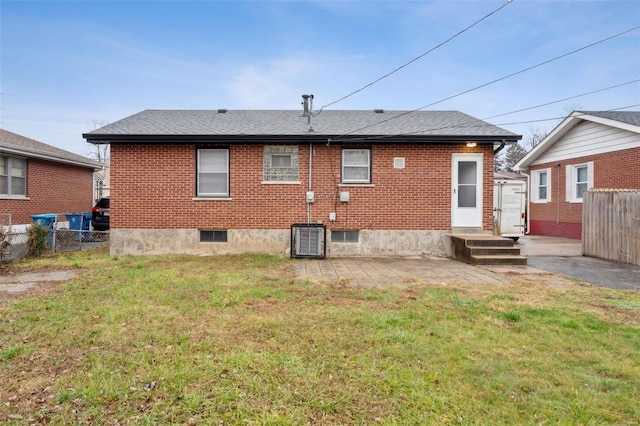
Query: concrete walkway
point(394, 271)
point(537, 245)
point(547, 256)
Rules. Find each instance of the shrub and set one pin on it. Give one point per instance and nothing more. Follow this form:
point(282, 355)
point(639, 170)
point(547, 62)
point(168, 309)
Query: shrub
point(4, 247)
point(37, 242)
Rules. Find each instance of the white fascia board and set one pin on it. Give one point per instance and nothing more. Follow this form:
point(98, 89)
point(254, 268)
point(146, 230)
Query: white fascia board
point(559, 131)
point(611, 123)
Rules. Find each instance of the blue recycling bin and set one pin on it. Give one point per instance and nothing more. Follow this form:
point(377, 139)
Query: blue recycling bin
point(86, 222)
point(79, 222)
point(46, 221)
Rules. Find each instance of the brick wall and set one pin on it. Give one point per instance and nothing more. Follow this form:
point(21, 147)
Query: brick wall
point(51, 188)
point(617, 169)
point(153, 186)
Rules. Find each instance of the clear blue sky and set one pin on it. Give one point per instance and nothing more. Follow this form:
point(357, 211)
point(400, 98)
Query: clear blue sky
point(68, 67)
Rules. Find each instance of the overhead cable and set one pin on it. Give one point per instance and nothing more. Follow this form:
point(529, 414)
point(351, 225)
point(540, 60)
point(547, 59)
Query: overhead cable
point(457, 126)
point(496, 80)
point(562, 100)
point(415, 59)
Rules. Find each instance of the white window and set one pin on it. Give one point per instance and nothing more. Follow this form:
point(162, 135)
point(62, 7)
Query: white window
point(280, 164)
point(213, 173)
point(13, 177)
point(356, 166)
point(541, 186)
point(579, 180)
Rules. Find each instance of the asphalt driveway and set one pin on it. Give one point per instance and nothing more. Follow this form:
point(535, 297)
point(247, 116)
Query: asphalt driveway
point(564, 256)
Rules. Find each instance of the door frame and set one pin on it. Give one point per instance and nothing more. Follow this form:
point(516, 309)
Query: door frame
point(477, 221)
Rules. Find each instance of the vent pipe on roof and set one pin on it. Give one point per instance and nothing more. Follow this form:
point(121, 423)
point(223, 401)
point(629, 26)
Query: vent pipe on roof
point(307, 105)
point(378, 111)
point(222, 111)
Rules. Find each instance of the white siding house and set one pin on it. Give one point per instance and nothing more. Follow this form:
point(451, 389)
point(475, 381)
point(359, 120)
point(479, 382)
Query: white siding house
point(588, 149)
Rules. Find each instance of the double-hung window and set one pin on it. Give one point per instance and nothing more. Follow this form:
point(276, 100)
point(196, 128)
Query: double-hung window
point(13, 177)
point(541, 186)
point(356, 165)
point(579, 180)
point(213, 173)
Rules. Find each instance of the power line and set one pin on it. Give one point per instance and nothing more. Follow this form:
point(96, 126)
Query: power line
point(562, 100)
point(367, 138)
point(496, 80)
point(562, 118)
point(416, 58)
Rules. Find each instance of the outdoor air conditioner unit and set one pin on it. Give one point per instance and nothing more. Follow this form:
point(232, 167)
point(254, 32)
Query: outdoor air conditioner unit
point(308, 240)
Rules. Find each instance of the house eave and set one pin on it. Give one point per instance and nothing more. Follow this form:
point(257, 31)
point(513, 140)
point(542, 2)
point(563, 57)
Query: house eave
point(21, 152)
point(562, 129)
point(298, 138)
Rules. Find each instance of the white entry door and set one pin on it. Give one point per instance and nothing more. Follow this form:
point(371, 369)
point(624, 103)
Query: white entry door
point(466, 201)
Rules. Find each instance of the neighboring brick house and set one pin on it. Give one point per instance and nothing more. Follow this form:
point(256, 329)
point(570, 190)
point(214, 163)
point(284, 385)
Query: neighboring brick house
point(37, 178)
point(227, 181)
point(589, 149)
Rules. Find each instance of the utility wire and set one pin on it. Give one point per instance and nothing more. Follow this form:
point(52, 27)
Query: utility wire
point(496, 80)
point(416, 58)
point(562, 118)
point(562, 100)
point(457, 126)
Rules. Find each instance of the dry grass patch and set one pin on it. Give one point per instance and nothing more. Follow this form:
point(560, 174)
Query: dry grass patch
point(237, 340)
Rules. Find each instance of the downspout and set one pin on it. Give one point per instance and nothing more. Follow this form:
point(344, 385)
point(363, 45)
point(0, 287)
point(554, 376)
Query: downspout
point(528, 204)
point(558, 213)
point(310, 180)
point(500, 148)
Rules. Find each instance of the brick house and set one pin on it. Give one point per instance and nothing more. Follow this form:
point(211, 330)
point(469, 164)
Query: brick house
point(37, 178)
point(229, 181)
point(589, 149)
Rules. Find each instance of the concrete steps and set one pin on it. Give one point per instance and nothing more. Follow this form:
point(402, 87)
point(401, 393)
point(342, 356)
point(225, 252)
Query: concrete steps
point(486, 250)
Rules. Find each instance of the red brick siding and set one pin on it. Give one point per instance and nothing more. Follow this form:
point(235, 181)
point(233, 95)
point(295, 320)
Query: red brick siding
point(617, 169)
point(51, 188)
point(152, 186)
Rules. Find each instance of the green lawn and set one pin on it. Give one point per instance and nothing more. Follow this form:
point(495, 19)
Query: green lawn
point(238, 340)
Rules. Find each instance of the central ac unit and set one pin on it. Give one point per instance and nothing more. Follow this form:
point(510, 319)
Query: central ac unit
point(308, 240)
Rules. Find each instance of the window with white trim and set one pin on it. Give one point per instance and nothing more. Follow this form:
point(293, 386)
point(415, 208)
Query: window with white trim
point(13, 176)
point(356, 165)
point(281, 164)
point(579, 180)
point(541, 186)
point(213, 173)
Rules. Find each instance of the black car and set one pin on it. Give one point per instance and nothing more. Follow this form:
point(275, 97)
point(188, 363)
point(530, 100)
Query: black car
point(100, 215)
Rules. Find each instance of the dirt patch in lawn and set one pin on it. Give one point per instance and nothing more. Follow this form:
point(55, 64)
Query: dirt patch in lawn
point(29, 283)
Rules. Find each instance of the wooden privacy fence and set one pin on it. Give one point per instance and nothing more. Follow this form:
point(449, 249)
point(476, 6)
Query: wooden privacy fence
point(611, 225)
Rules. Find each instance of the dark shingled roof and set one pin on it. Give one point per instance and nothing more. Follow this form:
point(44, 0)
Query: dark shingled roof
point(20, 145)
point(628, 117)
point(292, 123)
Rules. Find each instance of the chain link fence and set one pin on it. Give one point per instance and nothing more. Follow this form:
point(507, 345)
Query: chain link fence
point(15, 247)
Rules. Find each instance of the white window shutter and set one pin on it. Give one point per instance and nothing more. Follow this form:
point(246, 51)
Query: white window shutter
point(568, 176)
point(590, 175)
